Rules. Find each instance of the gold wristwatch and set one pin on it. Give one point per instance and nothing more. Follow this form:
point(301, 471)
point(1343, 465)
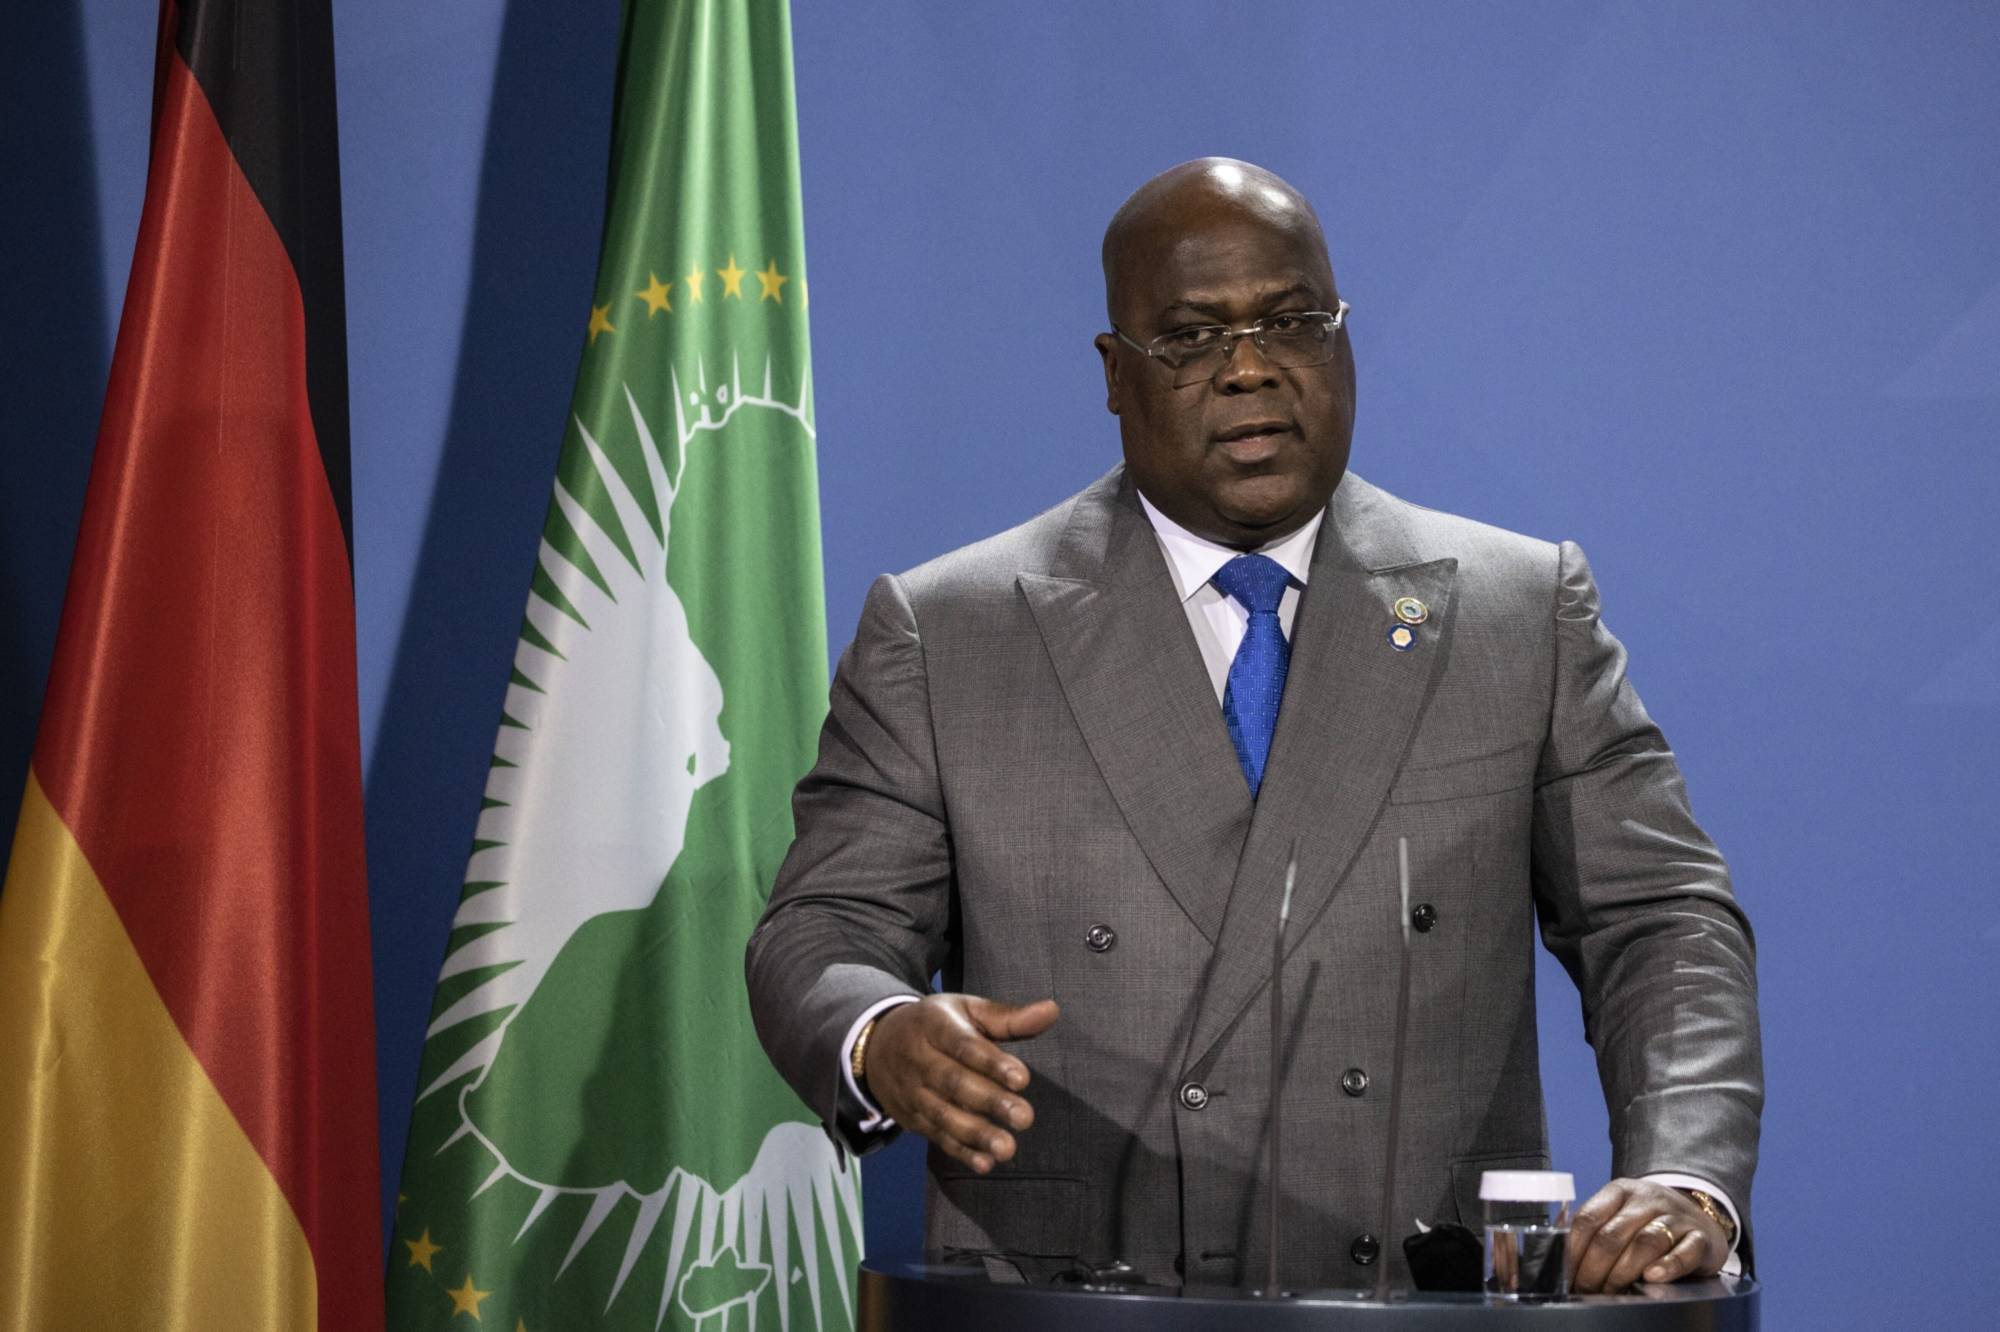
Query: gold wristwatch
point(859, 1064)
point(1702, 1198)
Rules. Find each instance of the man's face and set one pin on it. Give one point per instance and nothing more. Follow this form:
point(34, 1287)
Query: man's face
point(1250, 454)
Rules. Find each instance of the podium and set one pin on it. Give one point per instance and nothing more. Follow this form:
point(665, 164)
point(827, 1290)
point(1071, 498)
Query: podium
point(940, 1297)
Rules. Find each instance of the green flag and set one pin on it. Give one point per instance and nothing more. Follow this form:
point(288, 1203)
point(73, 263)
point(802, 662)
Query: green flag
point(598, 1140)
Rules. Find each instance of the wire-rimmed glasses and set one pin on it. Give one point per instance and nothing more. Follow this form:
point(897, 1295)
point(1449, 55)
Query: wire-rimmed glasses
point(1289, 341)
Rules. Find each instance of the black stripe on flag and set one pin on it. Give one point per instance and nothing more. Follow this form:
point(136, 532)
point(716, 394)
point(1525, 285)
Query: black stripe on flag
point(266, 67)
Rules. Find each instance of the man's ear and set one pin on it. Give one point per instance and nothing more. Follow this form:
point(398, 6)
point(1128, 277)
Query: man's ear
point(1107, 348)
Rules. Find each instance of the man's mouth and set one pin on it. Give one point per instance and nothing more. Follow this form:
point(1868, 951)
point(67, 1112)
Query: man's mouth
point(1252, 440)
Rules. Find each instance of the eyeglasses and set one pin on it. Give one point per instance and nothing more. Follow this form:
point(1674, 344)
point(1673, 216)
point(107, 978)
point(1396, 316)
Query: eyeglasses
point(1288, 341)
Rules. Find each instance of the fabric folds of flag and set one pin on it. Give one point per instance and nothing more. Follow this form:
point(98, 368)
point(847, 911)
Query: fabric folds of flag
point(598, 1140)
point(187, 1091)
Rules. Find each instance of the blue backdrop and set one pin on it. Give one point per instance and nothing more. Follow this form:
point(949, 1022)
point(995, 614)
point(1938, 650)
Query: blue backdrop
point(1713, 290)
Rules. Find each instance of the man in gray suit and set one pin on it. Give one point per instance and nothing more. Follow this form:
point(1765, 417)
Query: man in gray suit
point(1026, 783)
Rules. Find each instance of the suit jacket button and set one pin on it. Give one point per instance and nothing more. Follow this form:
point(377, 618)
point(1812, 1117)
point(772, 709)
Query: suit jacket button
point(1423, 916)
point(1365, 1249)
point(1354, 1081)
point(1100, 938)
point(1194, 1096)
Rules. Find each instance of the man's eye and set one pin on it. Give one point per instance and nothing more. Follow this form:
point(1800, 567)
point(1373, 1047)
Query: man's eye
point(1196, 338)
point(1285, 323)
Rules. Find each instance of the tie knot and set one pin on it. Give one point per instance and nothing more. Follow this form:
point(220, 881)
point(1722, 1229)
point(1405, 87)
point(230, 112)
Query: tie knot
point(1258, 581)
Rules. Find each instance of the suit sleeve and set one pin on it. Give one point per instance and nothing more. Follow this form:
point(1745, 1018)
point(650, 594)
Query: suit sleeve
point(1635, 901)
point(861, 909)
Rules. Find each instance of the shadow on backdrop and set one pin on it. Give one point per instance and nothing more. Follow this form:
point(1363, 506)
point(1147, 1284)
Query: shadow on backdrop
point(534, 260)
point(54, 357)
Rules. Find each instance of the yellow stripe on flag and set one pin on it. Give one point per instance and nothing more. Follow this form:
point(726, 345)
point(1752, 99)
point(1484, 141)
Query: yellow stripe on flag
point(129, 1195)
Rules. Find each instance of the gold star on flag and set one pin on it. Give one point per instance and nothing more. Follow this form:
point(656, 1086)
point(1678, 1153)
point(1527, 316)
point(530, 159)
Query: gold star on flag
point(600, 321)
point(732, 278)
point(771, 279)
point(655, 295)
point(421, 1251)
point(465, 1300)
point(694, 281)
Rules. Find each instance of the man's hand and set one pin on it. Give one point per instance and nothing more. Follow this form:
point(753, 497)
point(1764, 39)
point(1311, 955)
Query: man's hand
point(1636, 1228)
point(933, 1067)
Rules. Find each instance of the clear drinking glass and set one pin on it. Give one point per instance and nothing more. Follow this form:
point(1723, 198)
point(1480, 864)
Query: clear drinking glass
point(1527, 1232)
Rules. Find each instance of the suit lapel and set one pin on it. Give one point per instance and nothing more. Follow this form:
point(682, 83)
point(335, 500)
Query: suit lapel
point(1134, 680)
point(1352, 703)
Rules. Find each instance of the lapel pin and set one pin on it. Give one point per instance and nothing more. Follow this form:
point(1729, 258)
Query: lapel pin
point(1411, 611)
point(1402, 638)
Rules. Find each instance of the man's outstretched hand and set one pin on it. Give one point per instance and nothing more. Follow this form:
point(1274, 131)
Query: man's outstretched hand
point(936, 1068)
point(1638, 1229)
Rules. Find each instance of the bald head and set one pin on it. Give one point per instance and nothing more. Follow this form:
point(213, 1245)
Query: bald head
point(1248, 447)
point(1192, 197)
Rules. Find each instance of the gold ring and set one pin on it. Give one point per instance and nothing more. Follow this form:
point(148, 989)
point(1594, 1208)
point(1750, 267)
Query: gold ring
point(1659, 1223)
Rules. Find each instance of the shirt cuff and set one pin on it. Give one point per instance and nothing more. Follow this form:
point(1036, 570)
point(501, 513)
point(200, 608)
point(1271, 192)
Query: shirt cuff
point(1733, 1265)
point(872, 1119)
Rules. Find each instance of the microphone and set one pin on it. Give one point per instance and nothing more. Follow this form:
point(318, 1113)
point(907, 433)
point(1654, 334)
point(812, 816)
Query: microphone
point(1271, 1287)
point(1396, 1073)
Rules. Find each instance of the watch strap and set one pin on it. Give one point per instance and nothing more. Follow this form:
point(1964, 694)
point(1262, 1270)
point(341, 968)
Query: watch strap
point(1706, 1201)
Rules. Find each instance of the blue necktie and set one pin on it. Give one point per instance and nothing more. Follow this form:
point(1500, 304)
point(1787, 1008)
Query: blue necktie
point(1257, 676)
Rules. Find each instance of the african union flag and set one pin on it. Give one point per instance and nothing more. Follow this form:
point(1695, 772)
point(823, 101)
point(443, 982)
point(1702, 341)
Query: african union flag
point(598, 1139)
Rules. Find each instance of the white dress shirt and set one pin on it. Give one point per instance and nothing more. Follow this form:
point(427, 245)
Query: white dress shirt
point(1218, 621)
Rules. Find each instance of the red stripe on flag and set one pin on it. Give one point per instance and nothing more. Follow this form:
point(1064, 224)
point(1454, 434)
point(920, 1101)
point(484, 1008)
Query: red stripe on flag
point(200, 736)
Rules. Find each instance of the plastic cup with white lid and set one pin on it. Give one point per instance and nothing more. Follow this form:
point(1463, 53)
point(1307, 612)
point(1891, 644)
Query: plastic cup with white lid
point(1527, 1214)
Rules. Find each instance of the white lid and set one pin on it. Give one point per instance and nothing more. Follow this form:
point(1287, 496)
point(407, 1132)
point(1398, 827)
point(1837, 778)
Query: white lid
point(1527, 1186)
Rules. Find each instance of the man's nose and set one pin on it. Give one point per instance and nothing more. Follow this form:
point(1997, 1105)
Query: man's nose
point(1245, 369)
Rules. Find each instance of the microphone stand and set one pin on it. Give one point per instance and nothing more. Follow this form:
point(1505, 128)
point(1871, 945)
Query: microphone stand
point(1271, 1288)
point(1396, 1073)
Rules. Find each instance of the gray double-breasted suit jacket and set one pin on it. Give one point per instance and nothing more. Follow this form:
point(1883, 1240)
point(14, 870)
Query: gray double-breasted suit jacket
point(1023, 747)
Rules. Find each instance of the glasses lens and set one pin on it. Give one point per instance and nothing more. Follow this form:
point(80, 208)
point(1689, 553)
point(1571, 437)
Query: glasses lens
point(1292, 340)
point(1196, 369)
point(1189, 346)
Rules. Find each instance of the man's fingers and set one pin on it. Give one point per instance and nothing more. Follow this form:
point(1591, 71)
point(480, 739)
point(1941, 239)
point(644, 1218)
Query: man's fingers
point(1589, 1219)
point(1686, 1256)
point(1608, 1245)
point(1651, 1244)
point(950, 1146)
point(1013, 1022)
point(966, 1089)
point(975, 1052)
point(980, 1143)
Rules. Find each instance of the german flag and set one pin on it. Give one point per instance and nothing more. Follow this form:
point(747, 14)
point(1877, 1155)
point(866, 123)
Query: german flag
point(187, 1088)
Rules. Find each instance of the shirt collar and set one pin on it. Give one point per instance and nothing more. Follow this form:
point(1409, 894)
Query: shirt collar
point(1193, 560)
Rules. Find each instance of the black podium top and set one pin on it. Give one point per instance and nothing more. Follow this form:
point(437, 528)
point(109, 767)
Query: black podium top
point(936, 1297)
